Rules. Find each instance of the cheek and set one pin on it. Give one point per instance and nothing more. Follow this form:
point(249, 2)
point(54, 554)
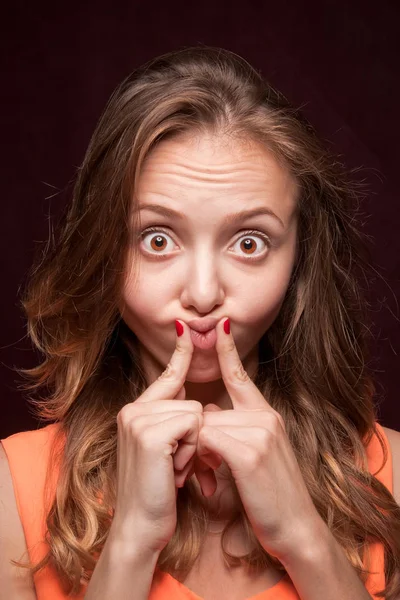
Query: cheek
point(264, 302)
point(143, 302)
point(264, 309)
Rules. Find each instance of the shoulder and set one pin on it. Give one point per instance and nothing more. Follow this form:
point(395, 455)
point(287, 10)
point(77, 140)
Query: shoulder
point(33, 461)
point(16, 582)
point(29, 451)
point(394, 441)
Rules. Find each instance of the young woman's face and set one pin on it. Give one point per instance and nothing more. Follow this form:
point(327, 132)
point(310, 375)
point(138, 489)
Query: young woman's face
point(206, 262)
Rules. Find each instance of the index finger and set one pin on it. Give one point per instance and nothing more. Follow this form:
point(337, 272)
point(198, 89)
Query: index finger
point(171, 380)
point(242, 390)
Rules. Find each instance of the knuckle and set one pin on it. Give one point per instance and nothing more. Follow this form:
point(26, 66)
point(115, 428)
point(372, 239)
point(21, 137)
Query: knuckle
point(127, 418)
point(229, 347)
point(135, 427)
point(195, 405)
point(252, 459)
point(200, 420)
point(194, 420)
point(123, 416)
point(169, 373)
point(127, 413)
point(145, 439)
point(239, 375)
point(276, 422)
point(263, 435)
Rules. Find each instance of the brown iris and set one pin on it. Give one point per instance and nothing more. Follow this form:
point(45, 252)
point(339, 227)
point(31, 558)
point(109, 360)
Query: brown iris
point(157, 242)
point(246, 243)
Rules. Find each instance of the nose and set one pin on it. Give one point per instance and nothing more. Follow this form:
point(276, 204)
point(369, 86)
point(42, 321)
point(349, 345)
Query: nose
point(203, 288)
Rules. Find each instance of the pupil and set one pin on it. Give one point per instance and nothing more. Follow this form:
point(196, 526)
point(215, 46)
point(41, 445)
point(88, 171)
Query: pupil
point(159, 241)
point(248, 243)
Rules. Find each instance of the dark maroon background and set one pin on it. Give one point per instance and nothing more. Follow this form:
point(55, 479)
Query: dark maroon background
point(338, 59)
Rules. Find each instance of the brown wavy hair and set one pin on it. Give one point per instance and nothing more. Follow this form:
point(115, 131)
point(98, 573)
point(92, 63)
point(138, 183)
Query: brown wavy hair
point(313, 360)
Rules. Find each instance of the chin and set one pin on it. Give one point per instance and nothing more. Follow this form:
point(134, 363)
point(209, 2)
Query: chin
point(202, 378)
point(203, 373)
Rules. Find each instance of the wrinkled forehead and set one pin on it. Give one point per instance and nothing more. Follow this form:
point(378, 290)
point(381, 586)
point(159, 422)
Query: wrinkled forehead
point(216, 173)
point(213, 153)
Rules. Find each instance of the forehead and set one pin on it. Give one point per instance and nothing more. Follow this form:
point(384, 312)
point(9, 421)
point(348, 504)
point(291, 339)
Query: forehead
point(214, 169)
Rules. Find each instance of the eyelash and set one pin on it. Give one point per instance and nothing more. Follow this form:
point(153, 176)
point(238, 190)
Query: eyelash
point(157, 256)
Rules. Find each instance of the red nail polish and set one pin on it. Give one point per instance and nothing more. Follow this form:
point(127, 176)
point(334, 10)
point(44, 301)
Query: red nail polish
point(179, 328)
point(227, 326)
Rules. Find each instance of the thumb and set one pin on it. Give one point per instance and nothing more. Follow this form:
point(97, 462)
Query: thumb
point(181, 395)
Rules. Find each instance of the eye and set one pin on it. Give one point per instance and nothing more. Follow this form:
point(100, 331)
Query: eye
point(248, 245)
point(157, 242)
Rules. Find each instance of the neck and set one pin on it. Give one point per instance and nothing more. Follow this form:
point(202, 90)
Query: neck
point(210, 392)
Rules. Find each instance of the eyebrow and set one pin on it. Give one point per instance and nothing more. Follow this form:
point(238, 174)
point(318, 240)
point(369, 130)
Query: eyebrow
point(228, 220)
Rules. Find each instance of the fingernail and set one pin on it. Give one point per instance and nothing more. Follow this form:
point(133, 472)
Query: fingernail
point(227, 326)
point(179, 328)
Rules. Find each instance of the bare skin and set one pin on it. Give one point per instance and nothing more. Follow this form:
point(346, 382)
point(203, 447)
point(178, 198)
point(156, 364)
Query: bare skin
point(209, 270)
point(206, 269)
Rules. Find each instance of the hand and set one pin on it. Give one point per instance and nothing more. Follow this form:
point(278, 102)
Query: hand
point(150, 430)
point(203, 467)
point(252, 440)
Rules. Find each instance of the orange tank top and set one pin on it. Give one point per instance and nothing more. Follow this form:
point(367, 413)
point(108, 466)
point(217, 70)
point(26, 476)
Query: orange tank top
point(28, 455)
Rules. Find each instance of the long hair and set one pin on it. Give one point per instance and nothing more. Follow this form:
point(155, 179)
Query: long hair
point(313, 360)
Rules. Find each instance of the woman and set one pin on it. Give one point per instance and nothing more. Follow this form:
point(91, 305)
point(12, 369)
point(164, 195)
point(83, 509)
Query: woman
point(239, 457)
